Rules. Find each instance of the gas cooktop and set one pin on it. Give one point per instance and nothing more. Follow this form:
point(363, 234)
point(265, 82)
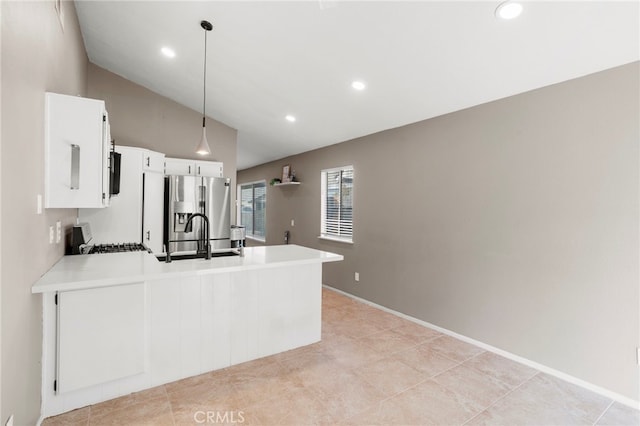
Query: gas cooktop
point(117, 248)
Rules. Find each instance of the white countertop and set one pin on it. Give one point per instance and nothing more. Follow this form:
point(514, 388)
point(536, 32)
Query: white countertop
point(99, 270)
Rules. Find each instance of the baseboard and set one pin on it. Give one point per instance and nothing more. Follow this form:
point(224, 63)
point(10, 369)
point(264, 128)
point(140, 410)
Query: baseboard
point(545, 369)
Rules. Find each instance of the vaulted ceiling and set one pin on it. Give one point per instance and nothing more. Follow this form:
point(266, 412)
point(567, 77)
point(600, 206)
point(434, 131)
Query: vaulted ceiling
point(418, 60)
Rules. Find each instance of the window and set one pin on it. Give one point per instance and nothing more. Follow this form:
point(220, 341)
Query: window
point(253, 205)
point(337, 204)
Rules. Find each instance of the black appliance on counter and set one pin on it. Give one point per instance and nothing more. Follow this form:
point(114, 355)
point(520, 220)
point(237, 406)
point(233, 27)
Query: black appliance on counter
point(81, 239)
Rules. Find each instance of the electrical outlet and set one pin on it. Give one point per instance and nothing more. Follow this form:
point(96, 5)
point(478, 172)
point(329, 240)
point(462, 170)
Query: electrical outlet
point(293, 222)
point(39, 204)
point(357, 276)
point(10, 421)
point(51, 234)
point(58, 232)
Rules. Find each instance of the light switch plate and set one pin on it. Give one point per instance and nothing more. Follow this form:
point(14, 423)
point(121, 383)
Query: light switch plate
point(51, 234)
point(357, 276)
point(293, 222)
point(58, 231)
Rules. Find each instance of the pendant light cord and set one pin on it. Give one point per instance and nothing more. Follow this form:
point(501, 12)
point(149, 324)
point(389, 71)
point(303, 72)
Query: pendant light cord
point(204, 94)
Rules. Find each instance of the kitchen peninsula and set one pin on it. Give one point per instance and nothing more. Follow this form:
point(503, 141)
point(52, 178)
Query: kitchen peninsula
point(123, 322)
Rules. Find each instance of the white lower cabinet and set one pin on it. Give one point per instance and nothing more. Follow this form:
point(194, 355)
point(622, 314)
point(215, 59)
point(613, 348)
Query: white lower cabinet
point(244, 316)
point(116, 340)
point(215, 305)
point(191, 331)
point(101, 335)
point(289, 312)
point(189, 326)
point(164, 327)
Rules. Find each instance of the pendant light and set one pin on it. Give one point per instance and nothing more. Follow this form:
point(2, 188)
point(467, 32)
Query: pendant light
point(203, 146)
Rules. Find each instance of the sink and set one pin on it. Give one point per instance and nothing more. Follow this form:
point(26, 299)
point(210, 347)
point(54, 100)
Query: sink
point(190, 255)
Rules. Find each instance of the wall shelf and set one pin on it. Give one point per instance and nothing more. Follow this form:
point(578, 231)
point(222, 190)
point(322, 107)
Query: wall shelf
point(286, 183)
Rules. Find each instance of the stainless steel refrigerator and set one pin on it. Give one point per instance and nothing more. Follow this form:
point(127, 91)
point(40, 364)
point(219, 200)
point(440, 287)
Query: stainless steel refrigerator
point(186, 195)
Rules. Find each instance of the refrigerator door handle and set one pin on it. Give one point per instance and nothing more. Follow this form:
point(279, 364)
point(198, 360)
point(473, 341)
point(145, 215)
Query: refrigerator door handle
point(202, 198)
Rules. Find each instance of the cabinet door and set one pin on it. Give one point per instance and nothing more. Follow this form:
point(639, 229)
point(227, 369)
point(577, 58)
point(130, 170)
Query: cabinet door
point(153, 211)
point(208, 168)
point(215, 308)
point(100, 335)
point(76, 152)
point(179, 166)
point(164, 330)
point(290, 307)
point(244, 316)
point(153, 162)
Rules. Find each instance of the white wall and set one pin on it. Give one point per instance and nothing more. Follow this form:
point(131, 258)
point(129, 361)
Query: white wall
point(37, 56)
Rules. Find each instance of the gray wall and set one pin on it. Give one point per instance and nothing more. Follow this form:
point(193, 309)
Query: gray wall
point(142, 118)
point(514, 223)
point(37, 56)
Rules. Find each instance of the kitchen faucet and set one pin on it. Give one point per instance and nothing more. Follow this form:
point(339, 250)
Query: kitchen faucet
point(206, 241)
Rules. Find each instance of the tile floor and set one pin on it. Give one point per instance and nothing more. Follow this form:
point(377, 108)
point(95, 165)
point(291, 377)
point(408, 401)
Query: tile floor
point(371, 368)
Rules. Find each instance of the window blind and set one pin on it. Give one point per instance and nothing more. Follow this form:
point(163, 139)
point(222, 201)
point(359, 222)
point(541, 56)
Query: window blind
point(337, 203)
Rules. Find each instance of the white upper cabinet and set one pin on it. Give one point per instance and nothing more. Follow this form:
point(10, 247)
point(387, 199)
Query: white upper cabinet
point(77, 141)
point(153, 200)
point(180, 166)
point(153, 162)
point(208, 168)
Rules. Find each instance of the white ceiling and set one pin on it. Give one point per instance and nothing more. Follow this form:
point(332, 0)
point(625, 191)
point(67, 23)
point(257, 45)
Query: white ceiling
point(419, 59)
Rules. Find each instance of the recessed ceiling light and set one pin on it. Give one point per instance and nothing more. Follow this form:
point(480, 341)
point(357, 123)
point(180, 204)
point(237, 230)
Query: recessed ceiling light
point(290, 118)
point(168, 52)
point(358, 85)
point(508, 10)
